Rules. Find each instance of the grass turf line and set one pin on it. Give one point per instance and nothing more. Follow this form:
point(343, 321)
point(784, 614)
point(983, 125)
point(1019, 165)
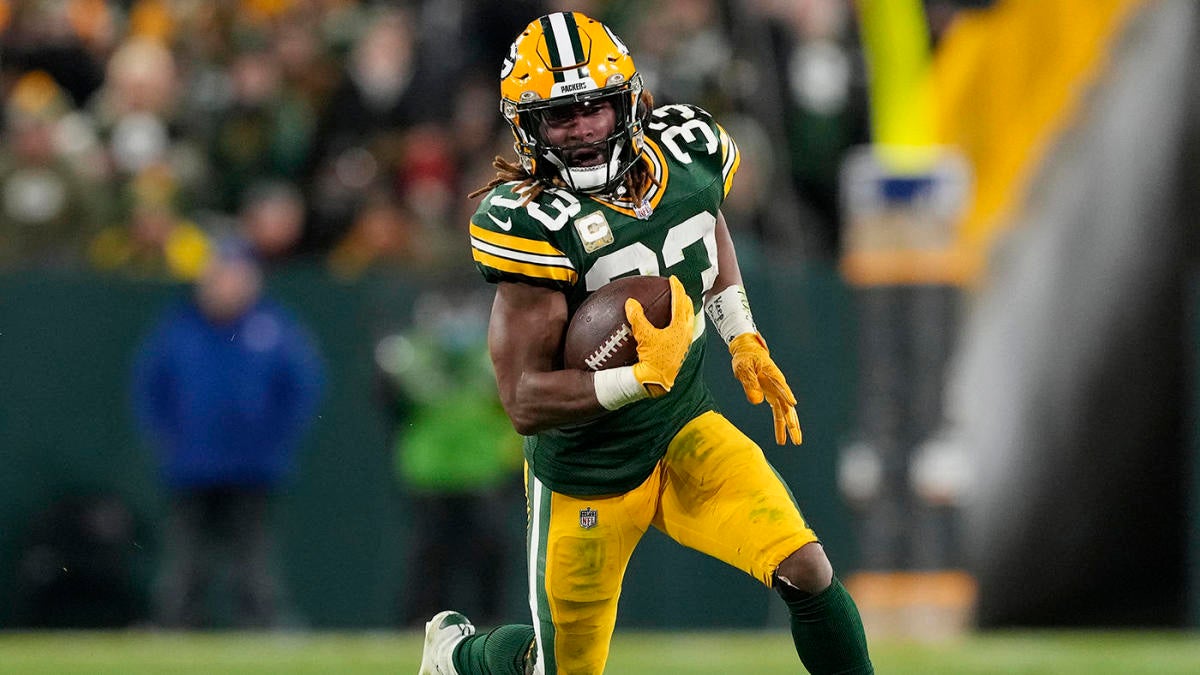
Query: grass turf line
point(633, 653)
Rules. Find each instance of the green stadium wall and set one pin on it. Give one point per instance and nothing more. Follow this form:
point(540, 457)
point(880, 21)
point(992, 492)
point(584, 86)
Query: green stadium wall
point(66, 347)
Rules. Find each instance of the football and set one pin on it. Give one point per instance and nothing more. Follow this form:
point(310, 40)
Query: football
point(599, 337)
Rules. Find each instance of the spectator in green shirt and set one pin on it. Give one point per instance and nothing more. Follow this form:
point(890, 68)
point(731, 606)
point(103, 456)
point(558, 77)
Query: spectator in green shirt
point(456, 456)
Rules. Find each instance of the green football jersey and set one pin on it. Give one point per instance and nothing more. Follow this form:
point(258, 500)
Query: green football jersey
point(577, 243)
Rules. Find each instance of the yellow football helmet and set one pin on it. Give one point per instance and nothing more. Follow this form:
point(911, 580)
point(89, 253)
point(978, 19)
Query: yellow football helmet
point(564, 59)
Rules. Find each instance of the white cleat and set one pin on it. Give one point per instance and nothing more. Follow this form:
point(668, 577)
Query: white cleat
point(442, 634)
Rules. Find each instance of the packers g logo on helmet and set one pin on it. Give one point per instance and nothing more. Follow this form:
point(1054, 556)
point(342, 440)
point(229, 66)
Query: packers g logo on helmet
point(567, 58)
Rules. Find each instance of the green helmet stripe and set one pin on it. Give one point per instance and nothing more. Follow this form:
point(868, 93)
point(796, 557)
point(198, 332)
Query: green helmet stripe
point(551, 42)
point(576, 41)
point(563, 43)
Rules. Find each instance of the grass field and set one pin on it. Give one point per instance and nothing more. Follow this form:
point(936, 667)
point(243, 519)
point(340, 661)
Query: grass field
point(634, 653)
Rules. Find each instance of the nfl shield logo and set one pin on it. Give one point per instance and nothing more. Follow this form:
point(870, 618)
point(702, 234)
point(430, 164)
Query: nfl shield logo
point(587, 518)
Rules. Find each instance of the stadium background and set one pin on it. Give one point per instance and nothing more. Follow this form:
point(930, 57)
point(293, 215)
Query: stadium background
point(1063, 290)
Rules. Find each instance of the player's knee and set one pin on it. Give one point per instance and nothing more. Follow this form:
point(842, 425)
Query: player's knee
point(806, 571)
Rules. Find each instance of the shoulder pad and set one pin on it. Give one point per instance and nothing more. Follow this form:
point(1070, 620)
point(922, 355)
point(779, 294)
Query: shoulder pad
point(677, 113)
point(690, 135)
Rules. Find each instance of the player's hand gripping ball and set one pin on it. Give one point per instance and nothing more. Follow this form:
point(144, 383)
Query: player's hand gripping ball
point(599, 335)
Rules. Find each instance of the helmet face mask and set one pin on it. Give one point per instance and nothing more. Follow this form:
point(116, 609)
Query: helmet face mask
point(610, 151)
point(561, 61)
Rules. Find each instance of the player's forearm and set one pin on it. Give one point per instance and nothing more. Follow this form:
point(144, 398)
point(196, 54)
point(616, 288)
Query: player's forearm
point(544, 400)
point(729, 273)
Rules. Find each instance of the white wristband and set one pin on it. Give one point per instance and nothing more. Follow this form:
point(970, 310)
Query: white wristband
point(730, 313)
point(616, 387)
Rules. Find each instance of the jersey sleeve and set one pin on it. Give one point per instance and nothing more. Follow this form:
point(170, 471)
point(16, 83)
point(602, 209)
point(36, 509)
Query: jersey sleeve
point(731, 158)
point(691, 135)
point(507, 245)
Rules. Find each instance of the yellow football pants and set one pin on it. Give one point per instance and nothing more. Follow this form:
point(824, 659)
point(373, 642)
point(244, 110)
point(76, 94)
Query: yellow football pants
point(713, 491)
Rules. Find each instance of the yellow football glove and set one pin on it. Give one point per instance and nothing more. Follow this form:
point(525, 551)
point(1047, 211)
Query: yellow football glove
point(761, 378)
point(661, 351)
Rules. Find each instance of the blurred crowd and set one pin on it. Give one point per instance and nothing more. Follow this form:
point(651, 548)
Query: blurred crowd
point(348, 132)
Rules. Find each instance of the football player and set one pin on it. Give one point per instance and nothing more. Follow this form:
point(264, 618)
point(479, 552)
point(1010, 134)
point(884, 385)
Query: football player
point(606, 185)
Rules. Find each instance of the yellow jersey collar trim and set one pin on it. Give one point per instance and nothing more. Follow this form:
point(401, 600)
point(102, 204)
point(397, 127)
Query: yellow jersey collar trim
point(652, 155)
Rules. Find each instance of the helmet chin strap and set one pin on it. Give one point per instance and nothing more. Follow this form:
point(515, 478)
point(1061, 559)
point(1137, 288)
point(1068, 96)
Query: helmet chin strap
point(590, 178)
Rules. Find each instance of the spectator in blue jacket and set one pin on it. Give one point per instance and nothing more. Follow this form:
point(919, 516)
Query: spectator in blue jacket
point(224, 388)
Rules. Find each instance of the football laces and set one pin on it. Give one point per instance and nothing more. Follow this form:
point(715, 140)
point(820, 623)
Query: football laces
point(605, 351)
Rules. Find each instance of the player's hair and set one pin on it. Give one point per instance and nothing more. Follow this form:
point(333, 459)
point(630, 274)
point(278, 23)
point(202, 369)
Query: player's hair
point(637, 181)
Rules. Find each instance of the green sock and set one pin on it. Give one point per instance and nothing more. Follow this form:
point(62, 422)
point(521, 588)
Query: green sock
point(500, 651)
point(828, 633)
